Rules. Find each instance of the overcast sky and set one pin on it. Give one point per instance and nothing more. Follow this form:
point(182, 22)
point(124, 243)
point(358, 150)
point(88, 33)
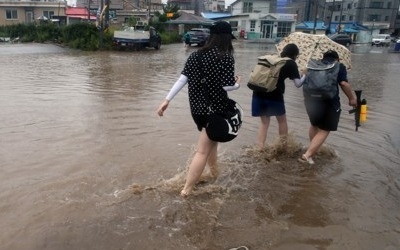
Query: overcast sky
point(71, 2)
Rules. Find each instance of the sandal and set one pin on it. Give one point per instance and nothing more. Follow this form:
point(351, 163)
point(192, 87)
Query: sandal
point(304, 159)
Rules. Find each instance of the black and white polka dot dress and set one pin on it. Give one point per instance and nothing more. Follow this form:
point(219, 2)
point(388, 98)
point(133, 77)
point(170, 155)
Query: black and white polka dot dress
point(218, 71)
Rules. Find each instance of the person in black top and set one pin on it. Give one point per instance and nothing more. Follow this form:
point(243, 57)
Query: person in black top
point(218, 65)
point(324, 114)
point(265, 105)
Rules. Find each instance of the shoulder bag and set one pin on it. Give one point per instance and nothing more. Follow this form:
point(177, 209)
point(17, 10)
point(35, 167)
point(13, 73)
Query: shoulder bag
point(221, 127)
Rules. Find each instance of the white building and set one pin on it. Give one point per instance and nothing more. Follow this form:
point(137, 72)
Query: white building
point(251, 19)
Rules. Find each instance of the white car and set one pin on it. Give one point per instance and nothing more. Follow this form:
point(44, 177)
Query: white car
point(381, 40)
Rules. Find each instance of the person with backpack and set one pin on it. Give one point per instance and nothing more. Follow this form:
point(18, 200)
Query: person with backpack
point(321, 99)
point(265, 104)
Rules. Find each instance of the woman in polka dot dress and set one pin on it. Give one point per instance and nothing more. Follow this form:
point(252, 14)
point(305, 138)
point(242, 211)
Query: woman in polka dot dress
point(218, 67)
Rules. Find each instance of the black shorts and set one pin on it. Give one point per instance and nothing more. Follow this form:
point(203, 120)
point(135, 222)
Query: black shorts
point(200, 120)
point(323, 114)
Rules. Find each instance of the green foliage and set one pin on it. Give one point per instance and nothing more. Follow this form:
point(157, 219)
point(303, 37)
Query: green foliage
point(47, 32)
point(106, 43)
point(83, 36)
point(132, 21)
point(23, 31)
point(159, 26)
point(168, 8)
point(170, 37)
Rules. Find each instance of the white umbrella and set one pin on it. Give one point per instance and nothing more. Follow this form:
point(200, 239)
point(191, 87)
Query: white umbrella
point(313, 46)
point(43, 18)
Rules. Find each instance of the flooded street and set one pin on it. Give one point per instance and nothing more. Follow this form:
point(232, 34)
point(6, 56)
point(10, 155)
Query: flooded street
point(85, 162)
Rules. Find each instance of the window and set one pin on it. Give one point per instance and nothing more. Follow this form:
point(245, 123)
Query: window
point(386, 18)
point(336, 18)
point(284, 29)
point(343, 18)
point(48, 14)
point(234, 25)
point(349, 6)
point(11, 14)
point(373, 18)
point(389, 5)
point(350, 18)
point(247, 7)
point(252, 25)
point(376, 5)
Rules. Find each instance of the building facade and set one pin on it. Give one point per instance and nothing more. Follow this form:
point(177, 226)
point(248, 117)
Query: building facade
point(30, 11)
point(381, 16)
point(120, 11)
point(252, 19)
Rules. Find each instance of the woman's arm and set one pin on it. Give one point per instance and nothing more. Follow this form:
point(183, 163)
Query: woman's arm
point(178, 85)
point(299, 82)
point(234, 87)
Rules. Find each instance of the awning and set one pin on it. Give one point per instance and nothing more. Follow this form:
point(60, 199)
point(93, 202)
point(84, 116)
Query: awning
point(350, 30)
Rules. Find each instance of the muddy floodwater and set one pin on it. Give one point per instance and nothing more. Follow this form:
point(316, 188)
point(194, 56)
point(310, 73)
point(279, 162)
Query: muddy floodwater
point(85, 162)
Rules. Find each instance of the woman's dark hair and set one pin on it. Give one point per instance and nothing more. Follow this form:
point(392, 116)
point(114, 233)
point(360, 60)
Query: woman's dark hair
point(222, 41)
point(290, 50)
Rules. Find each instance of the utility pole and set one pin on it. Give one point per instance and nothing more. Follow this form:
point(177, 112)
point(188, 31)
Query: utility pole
point(330, 19)
point(101, 23)
point(316, 3)
point(107, 14)
point(308, 7)
point(340, 17)
point(149, 12)
point(88, 10)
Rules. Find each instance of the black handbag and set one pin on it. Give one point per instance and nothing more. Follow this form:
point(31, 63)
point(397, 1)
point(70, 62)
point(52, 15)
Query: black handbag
point(221, 127)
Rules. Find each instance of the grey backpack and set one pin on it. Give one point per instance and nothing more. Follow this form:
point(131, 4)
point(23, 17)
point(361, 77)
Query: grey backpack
point(321, 80)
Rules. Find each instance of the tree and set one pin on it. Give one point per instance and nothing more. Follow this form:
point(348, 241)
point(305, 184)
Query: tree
point(168, 8)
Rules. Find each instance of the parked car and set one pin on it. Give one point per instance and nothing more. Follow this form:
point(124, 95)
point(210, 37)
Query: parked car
point(199, 36)
point(342, 39)
point(381, 40)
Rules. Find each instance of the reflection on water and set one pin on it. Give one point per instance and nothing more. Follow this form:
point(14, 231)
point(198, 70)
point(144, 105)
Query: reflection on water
point(87, 164)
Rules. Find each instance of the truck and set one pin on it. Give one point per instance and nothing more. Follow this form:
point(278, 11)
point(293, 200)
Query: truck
point(137, 38)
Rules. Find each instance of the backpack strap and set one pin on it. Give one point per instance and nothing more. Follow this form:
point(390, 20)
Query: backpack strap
point(272, 59)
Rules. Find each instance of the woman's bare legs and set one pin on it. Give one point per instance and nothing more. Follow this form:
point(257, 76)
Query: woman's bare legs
point(212, 161)
point(282, 129)
point(262, 131)
point(317, 138)
point(282, 125)
point(205, 147)
point(312, 131)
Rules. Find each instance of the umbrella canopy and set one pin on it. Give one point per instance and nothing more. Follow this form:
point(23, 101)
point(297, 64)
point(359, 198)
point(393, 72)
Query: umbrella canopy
point(43, 18)
point(314, 46)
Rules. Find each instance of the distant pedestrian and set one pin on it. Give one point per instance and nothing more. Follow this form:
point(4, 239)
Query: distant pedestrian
point(186, 39)
point(324, 113)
